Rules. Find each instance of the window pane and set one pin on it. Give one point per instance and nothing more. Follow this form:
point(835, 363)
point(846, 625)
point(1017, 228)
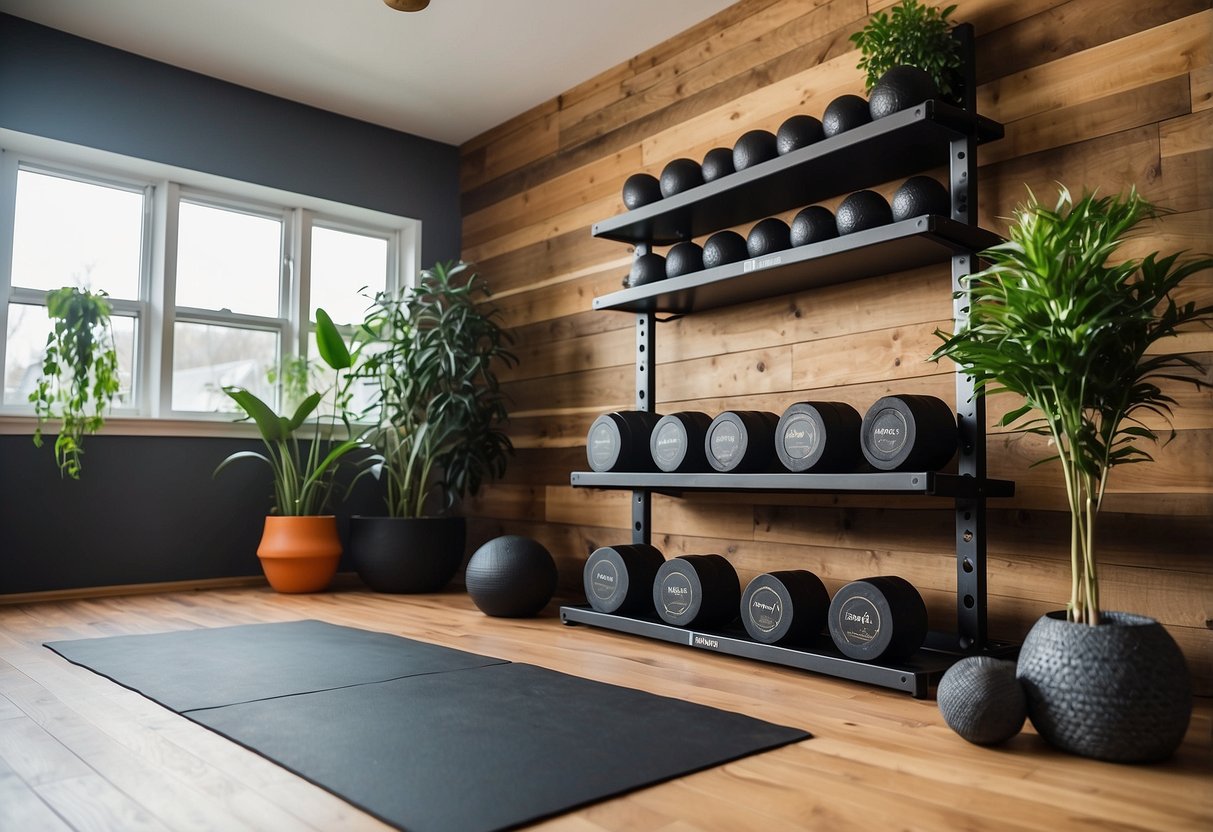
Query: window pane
point(206, 358)
point(70, 233)
point(228, 260)
point(342, 264)
point(28, 327)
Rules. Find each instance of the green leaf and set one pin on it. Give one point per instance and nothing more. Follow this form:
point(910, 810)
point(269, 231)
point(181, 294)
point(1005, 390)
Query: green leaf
point(268, 422)
point(329, 342)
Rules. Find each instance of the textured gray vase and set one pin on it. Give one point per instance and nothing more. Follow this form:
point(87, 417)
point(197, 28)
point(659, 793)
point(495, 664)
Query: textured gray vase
point(1119, 691)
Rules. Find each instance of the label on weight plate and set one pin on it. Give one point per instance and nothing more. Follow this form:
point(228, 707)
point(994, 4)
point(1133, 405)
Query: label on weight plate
point(676, 594)
point(766, 609)
point(858, 620)
point(668, 447)
point(725, 442)
point(604, 580)
point(800, 437)
point(888, 432)
point(602, 445)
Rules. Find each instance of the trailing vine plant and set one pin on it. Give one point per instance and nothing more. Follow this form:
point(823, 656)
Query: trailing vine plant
point(79, 373)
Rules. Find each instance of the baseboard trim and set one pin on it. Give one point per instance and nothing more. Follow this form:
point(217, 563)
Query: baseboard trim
point(342, 580)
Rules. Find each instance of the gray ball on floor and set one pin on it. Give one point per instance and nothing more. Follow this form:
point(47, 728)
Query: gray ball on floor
point(511, 577)
point(981, 700)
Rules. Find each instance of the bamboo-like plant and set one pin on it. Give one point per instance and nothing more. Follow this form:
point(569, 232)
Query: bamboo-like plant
point(1057, 320)
point(427, 356)
point(915, 35)
point(79, 373)
point(303, 479)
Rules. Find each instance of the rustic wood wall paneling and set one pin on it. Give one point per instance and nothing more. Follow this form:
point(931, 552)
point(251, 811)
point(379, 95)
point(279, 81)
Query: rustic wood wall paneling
point(1101, 93)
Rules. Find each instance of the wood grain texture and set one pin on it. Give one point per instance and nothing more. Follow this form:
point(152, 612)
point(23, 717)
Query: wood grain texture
point(1097, 94)
point(86, 754)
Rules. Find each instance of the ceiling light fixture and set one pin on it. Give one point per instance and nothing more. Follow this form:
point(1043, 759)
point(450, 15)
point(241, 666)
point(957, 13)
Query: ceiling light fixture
point(407, 5)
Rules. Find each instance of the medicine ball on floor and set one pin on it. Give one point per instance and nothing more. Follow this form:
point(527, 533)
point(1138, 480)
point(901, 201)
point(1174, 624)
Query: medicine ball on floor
point(511, 577)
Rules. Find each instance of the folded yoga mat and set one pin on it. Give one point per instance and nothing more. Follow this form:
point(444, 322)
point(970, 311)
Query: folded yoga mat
point(452, 741)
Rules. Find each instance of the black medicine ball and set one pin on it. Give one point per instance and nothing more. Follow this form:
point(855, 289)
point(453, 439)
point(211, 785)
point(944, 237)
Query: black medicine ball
point(683, 258)
point(846, 112)
point(812, 225)
point(717, 162)
point(898, 89)
point(862, 210)
point(640, 189)
point(680, 175)
point(754, 147)
point(768, 236)
point(647, 268)
point(798, 131)
point(920, 195)
point(724, 247)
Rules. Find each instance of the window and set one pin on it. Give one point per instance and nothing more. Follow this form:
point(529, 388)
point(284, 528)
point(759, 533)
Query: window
point(212, 282)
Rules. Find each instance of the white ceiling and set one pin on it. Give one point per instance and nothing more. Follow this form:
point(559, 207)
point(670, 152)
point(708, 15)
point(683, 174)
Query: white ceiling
point(447, 73)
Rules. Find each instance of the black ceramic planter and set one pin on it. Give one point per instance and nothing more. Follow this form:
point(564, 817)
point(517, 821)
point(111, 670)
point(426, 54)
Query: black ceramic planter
point(1119, 691)
point(407, 554)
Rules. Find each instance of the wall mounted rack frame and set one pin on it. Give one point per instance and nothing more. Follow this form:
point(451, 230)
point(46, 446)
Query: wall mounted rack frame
point(925, 137)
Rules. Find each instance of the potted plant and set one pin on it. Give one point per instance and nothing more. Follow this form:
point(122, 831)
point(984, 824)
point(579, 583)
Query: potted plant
point(300, 547)
point(1075, 332)
point(915, 35)
point(426, 357)
point(79, 372)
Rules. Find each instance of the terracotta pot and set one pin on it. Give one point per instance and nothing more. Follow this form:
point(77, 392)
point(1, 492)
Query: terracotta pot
point(300, 554)
point(1119, 691)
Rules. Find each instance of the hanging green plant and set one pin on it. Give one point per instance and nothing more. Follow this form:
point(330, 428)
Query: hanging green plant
point(915, 35)
point(79, 373)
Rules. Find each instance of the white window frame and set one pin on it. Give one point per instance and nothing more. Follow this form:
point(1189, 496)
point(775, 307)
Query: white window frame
point(166, 186)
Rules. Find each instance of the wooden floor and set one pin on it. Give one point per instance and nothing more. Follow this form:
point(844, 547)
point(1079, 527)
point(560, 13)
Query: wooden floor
point(79, 752)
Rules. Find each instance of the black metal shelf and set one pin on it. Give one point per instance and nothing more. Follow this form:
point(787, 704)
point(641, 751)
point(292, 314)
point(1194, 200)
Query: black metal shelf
point(899, 145)
point(911, 243)
point(930, 483)
point(915, 675)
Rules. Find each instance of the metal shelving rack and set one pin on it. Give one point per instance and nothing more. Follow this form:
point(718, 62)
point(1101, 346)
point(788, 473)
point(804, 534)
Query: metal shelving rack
point(930, 135)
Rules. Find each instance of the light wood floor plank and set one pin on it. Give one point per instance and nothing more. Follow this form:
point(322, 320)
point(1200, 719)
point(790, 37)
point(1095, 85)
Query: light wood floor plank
point(78, 751)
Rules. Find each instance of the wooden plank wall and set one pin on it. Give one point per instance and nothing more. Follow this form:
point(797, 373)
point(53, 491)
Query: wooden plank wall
point(1096, 93)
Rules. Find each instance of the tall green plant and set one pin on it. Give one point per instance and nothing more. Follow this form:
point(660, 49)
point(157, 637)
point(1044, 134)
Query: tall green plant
point(79, 373)
point(303, 477)
point(427, 357)
point(1058, 321)
point(916, 35)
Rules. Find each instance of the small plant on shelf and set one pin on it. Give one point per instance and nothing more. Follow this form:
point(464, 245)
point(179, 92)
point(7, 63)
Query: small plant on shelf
point(915, 35)
point(80, 376)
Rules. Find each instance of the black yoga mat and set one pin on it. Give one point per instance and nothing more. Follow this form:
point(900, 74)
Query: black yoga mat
point(478, 744)
point(192, 669)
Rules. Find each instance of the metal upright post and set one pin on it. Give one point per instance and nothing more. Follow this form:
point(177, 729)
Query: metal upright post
point(646, 393)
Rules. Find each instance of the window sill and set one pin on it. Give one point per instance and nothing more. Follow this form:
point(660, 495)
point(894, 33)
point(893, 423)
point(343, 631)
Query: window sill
point(141, 426)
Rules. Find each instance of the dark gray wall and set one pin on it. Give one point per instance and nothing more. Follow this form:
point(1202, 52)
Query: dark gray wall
point(147, 509)
point(64, 87)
